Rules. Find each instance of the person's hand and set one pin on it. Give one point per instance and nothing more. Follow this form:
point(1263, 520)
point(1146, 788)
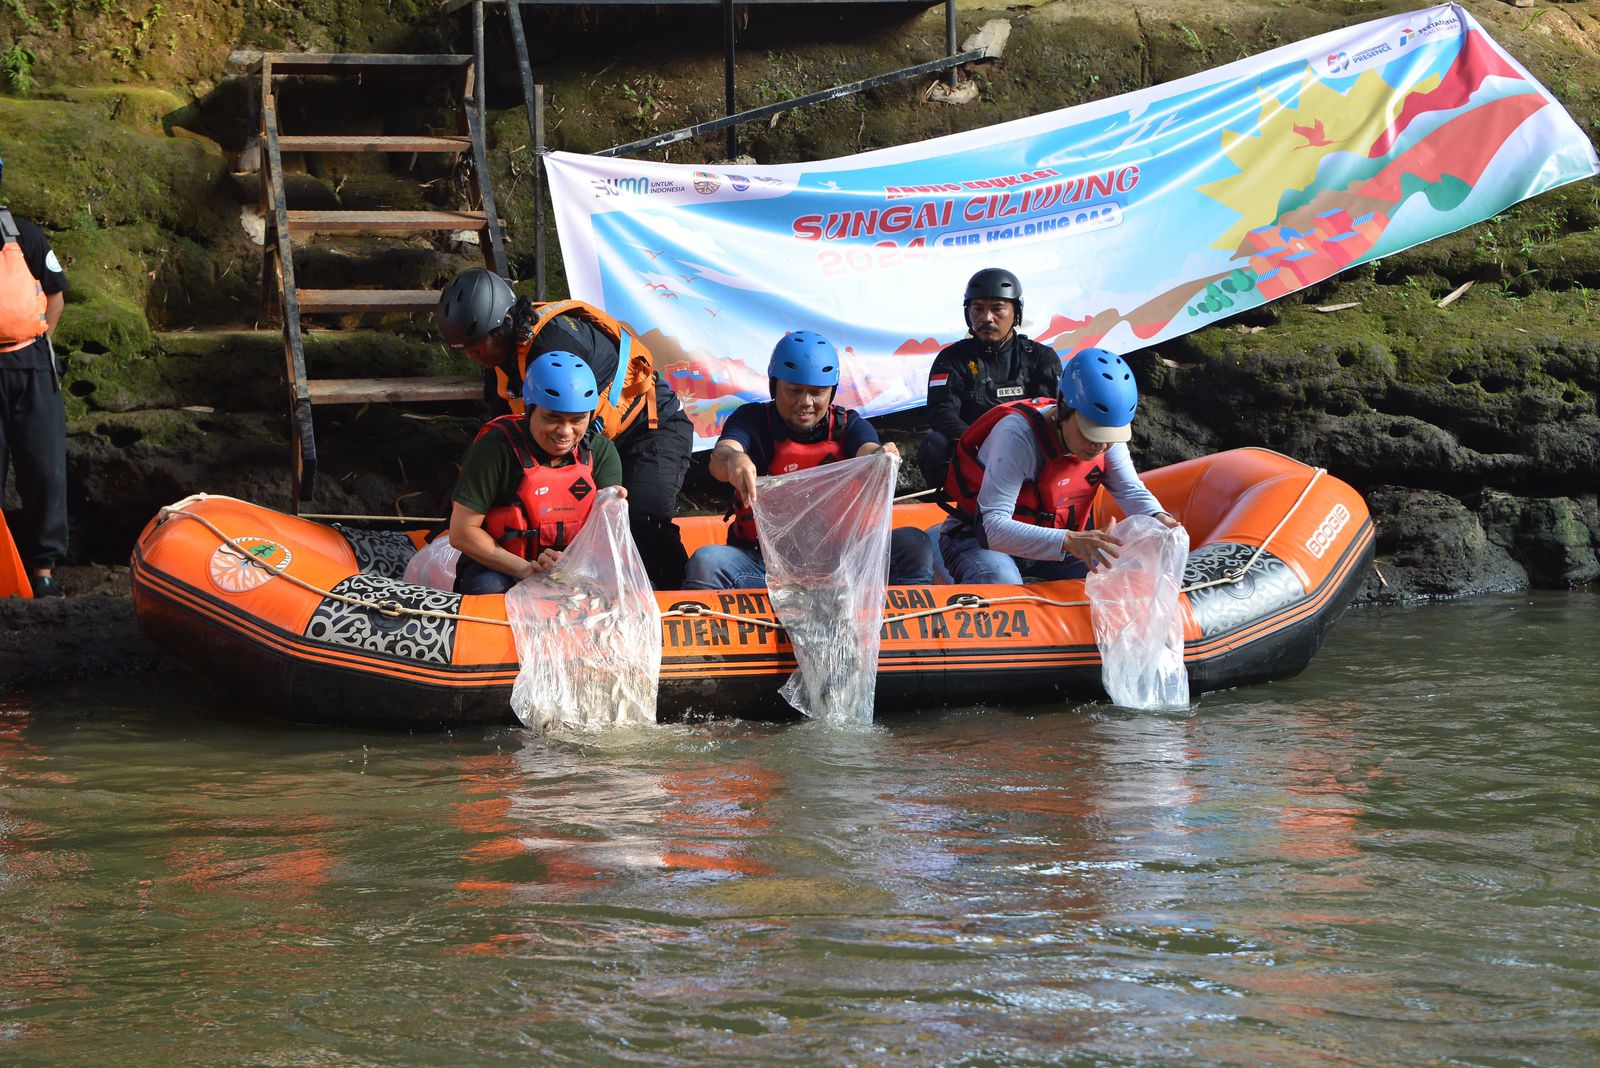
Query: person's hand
point(1166, 520)
point(1093, 547)
point(742, 477)
point(892, 449)
point(546, 560)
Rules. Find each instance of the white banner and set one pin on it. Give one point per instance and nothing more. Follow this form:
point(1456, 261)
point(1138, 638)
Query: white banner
point(1128, 220)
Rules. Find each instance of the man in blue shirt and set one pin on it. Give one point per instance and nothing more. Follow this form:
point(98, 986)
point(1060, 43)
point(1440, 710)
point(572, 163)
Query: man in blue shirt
point(798, 429)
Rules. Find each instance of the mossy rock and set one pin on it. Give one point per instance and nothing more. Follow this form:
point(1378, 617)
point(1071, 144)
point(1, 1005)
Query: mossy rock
point(69, 168)
point(101, 325)
point(147, 109)
point(1430, 545)
point(1555, 538)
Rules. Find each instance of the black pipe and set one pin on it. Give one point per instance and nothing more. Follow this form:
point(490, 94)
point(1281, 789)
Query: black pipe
point(768, 110)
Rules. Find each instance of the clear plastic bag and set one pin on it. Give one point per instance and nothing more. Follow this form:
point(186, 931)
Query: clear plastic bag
point(1133, 603)
point(434, 565)
point(588, 631)
point(825, 538)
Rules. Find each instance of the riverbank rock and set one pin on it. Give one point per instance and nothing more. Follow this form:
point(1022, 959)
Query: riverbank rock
point(90, 634)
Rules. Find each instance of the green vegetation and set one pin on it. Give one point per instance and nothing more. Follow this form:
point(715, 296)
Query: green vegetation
point(16, 69)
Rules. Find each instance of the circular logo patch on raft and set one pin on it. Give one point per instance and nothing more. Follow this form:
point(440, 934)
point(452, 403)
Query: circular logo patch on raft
point(247, 563)
point(706, 183)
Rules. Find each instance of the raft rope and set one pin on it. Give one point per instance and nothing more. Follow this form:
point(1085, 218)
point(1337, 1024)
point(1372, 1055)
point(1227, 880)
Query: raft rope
point(973, 600)
point(388, 608)
point(962, 600)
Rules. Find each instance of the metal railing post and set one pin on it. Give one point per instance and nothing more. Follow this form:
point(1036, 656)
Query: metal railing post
point(731, 109)
point(950, 35)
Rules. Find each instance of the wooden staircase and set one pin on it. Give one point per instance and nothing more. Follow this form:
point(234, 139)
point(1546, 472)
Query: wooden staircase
point(284, 226)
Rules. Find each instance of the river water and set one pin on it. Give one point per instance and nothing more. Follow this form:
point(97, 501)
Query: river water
point(1390, 860)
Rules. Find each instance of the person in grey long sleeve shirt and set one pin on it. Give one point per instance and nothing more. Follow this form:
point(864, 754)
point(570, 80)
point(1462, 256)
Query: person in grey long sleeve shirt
point(993, 545)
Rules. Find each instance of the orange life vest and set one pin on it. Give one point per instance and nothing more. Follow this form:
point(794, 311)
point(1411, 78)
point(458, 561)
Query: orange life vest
point(552, 502)
point(22, 299)
point(1061, 496)
point(633, 387)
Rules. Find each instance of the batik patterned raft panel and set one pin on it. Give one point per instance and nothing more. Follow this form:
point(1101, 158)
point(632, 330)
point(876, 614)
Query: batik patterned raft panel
point(379, 552)
point(1268, 587)
point(425, 639)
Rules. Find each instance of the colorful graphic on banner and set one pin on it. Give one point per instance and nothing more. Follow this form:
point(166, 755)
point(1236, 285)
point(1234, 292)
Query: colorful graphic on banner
point(1129, 220)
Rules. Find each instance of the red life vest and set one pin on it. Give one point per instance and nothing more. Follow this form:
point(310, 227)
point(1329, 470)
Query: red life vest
point(22, 299)
point(789, 456)
point(552, 502)
point(1061, 496)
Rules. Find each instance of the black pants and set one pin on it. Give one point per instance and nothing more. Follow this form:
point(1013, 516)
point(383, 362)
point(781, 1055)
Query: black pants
point(33, 431)
point(654, 463)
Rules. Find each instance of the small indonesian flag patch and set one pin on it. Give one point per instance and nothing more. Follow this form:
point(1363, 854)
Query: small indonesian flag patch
point(935, 381)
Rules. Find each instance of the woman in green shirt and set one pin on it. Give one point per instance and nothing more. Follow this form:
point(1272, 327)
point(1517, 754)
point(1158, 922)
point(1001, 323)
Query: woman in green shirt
point(527, 482)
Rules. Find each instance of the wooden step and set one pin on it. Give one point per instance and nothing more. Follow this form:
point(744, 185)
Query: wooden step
point(373, 143)
point(392, 390)
point(362, 300)
point(361, 62)
point(383, 222)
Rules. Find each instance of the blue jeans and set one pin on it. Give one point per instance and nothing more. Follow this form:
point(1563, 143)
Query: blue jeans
point(473, 577)
point(970, 562)
point(740, 566)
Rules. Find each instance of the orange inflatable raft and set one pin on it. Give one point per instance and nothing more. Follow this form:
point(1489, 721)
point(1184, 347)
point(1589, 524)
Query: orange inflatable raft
point(316, 622)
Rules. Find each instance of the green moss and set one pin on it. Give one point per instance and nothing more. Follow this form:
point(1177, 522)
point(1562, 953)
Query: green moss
point(70, 167)
point(105, 324)
point(172, 431)
point(136, 107)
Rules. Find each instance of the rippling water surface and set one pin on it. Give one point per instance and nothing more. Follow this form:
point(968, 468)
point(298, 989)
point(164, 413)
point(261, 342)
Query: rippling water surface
point(1390, 860)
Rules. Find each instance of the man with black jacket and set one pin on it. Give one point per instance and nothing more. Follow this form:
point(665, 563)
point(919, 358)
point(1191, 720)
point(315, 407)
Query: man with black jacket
point(992, 366)
point(33, 417)
point(504, 334)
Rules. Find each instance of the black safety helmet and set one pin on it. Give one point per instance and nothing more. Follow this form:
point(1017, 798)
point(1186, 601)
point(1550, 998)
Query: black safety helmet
point(473, 306)
point(989, 283)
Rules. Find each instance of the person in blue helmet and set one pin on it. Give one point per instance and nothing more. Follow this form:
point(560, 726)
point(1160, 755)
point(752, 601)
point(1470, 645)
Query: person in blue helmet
point(798, 429)
point(528, 481)
point(1023, 479)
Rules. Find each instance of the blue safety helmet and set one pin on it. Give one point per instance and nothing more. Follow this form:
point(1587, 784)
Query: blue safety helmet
point(1099, 386)
point(804, 358)
point(560, 382)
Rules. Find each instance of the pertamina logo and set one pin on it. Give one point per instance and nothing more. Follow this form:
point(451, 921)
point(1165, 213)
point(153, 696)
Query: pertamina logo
point(1322, 538)
point(706, 183)
point(1406, 35)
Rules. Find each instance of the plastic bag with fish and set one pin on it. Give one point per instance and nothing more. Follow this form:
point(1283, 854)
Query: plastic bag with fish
point(434, 565)
point(588, 631)
point(1138, 623)
point(825, 538)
